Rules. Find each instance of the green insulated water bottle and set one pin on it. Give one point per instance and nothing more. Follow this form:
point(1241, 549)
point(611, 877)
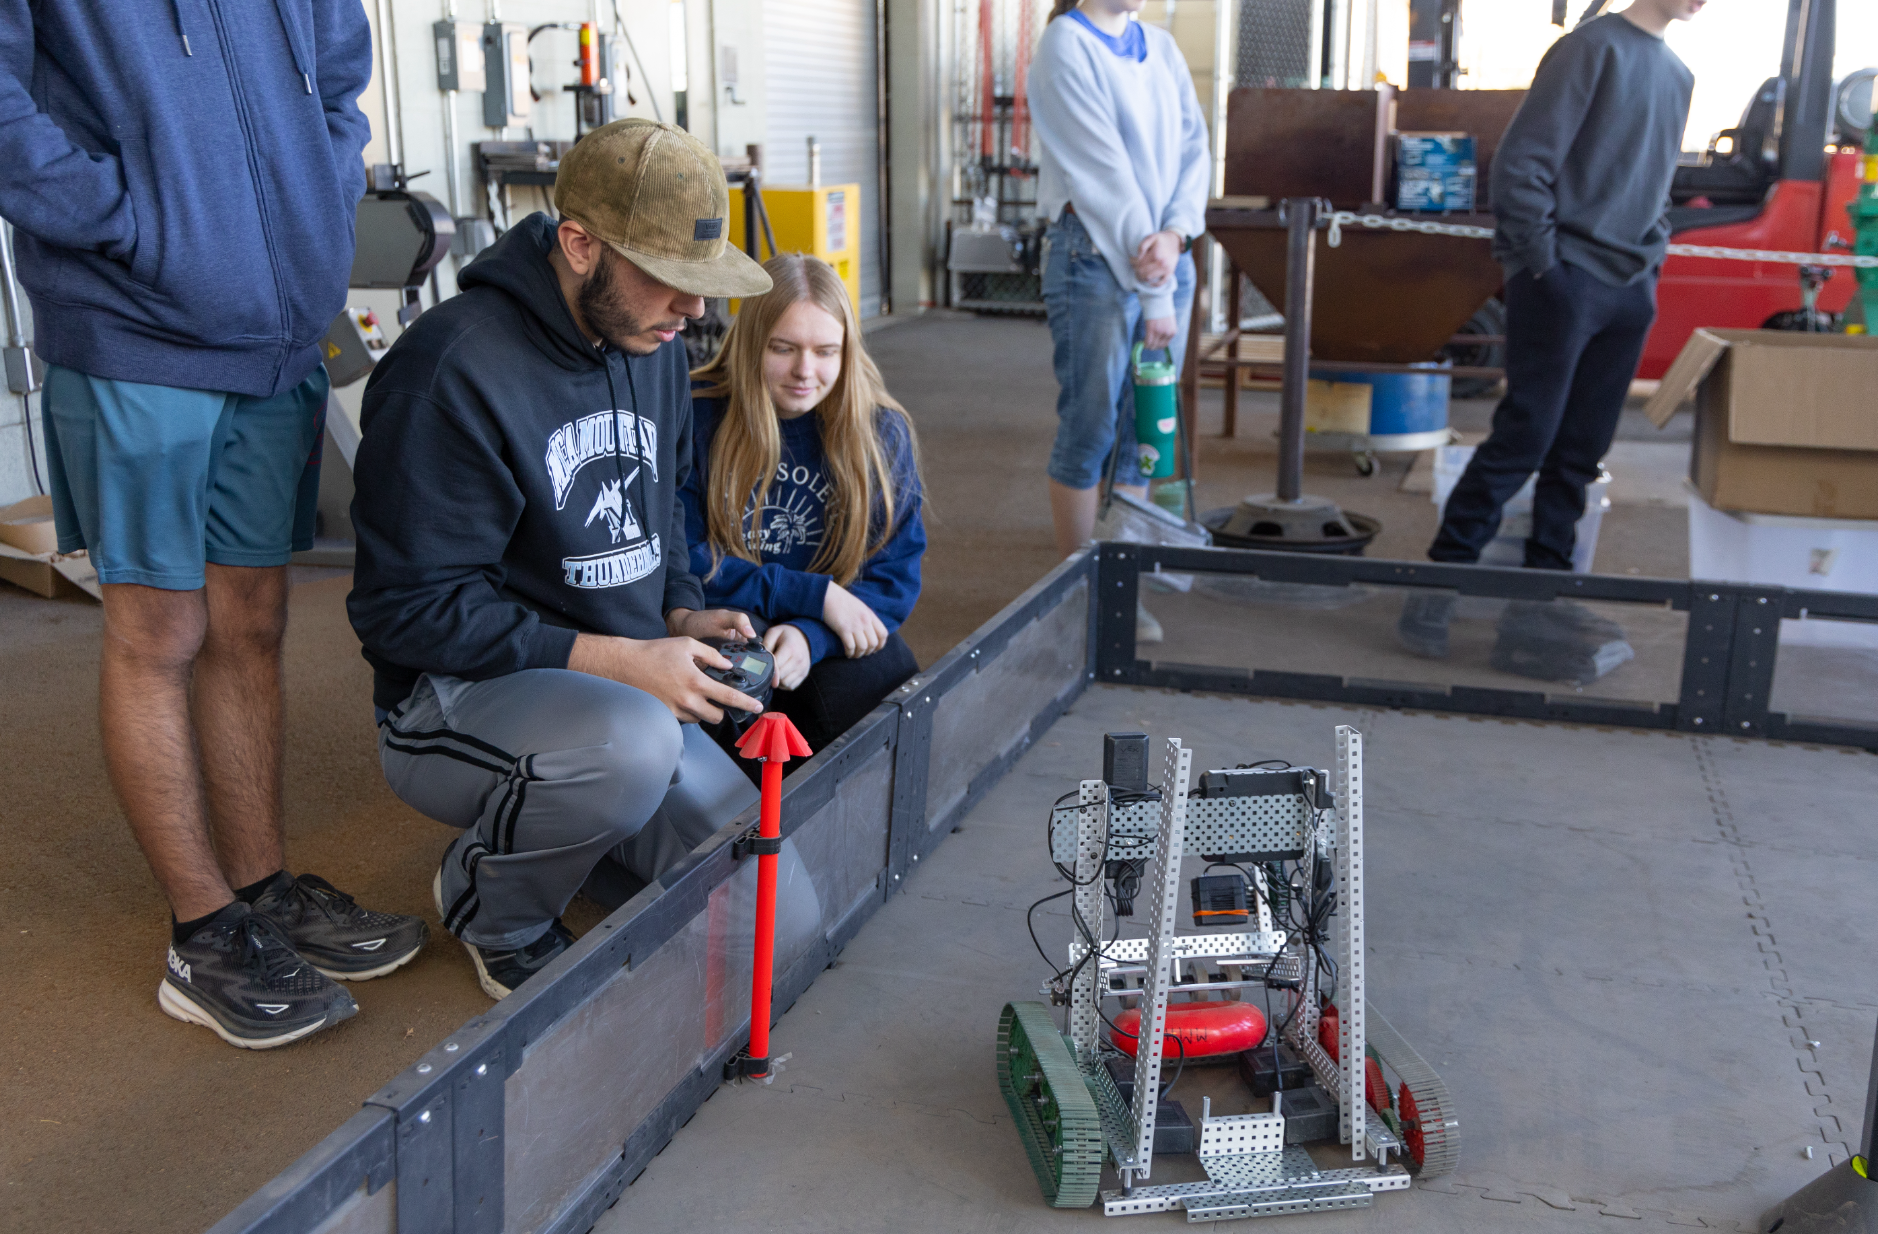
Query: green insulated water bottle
point(1155, 416)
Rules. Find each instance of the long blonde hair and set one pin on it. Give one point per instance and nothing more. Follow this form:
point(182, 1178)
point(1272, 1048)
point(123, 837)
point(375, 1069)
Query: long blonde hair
point(747, 447)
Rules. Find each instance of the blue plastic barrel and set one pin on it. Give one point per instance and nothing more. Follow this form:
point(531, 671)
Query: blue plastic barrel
point(1402, 403)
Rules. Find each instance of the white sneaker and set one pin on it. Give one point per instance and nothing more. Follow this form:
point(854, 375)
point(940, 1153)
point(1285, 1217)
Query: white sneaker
point(1147, 629)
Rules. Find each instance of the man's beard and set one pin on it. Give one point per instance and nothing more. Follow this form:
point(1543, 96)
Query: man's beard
point(599, 305)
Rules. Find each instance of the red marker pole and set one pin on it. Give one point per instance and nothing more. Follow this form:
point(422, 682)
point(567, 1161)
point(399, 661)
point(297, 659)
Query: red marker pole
point(774, 740)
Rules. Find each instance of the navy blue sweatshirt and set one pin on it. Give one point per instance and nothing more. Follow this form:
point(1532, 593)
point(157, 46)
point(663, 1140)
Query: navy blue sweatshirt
point(1583, 171)
point(791, 526)
point(515, 483)
point(183, 175)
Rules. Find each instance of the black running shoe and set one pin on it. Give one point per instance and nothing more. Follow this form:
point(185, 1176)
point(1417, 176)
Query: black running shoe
point(341, 939)
point(499, 972)
point(239, 977)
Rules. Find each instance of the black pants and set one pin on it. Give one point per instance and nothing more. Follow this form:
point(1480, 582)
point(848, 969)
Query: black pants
point(834, 696)
point(1572, 346)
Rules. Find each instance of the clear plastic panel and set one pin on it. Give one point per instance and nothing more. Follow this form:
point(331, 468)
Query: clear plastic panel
point(1827, 672)
point(845, 845)
point(360, 1213)
point(1585, 651)
point(588, 1083)
point(991, 711)
point(598, 1074)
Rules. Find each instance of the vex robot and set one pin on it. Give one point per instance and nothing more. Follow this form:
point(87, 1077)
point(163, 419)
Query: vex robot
point(1291, 840)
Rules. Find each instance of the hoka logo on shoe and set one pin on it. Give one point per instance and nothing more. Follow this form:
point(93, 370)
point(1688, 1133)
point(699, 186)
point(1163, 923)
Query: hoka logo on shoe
point(272, 1008)
point(374, 945)
point(178, 966)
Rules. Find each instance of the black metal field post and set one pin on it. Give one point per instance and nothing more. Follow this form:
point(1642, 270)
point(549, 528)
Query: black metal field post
point(1729, 654)
point(1300, 218)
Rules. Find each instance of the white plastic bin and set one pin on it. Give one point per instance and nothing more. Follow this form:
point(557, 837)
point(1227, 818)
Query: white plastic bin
point(1814, 554)
point(1508, 548)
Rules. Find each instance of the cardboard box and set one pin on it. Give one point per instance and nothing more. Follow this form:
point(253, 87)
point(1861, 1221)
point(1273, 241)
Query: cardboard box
point(27, 526)
point(1785, 422)
point(28, 558)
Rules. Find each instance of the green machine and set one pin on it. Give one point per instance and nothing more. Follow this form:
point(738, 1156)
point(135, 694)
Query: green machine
point(1864, 212)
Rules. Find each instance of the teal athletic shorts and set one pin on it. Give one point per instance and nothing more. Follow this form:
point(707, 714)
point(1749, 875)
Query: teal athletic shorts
point(154, 481)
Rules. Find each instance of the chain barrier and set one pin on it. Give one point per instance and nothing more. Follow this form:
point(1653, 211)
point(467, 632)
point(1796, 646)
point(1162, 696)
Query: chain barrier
point(1340, 219)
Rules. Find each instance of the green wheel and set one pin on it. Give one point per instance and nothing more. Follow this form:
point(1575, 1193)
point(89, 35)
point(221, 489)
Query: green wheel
point(1050, 1103)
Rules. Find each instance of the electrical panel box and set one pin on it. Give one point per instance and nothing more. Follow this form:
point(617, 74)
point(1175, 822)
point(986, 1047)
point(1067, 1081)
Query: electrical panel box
point(459, 56)
point(506, 98)
point(823, 220)
point(352, 346)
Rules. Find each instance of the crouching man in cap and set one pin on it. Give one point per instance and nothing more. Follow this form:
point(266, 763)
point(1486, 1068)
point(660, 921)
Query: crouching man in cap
point(522, 588)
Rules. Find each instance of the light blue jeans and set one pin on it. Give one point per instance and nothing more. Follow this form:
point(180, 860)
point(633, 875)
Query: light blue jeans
point(1094, 325)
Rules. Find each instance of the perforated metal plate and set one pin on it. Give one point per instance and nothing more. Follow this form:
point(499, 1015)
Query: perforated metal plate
point(1278, 1203)
point(1188, 947)
point(1237, 1135)
point(1276, 825)
point(1118, 1121)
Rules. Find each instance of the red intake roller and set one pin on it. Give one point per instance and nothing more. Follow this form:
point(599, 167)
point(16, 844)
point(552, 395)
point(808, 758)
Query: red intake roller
point(1205, 1029)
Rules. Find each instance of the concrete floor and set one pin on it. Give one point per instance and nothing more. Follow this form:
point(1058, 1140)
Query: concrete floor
point(1615, 947)
point(102, 1089)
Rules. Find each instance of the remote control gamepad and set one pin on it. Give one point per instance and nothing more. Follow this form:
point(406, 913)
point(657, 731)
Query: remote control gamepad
point(752, 671)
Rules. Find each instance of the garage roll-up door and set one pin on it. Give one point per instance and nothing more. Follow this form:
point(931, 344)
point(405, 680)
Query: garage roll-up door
point(819, 67)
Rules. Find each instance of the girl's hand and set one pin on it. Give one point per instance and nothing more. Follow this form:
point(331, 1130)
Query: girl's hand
point(791, 649)
point(1154, 259)
point(860, 631)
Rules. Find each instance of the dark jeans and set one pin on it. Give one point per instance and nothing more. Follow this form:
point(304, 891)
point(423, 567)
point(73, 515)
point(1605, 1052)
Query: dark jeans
point(833, 697)
point(1572, 346)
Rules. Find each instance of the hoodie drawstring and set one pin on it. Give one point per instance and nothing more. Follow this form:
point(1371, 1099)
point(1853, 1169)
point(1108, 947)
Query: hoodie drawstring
point(295, 41)
point(182, 31)
point(619, 435)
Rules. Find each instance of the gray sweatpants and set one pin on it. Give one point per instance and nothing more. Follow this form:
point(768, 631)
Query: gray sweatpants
point(548, 771)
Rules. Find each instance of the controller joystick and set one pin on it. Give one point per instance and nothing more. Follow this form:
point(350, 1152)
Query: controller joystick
point(752, 671)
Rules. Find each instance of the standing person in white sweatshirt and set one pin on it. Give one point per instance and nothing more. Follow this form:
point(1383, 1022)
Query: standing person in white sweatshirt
point(1124, 173)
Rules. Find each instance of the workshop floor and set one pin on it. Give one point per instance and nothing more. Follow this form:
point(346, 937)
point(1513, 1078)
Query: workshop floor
point(1638, 961)
point(114, 1117)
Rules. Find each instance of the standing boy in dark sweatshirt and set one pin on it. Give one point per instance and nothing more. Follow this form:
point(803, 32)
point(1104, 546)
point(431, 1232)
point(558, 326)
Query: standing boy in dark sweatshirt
point(523, 589)
point(1580, 188)
point(182, 179)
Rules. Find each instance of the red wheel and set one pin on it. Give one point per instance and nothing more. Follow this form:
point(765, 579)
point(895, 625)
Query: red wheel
point(1411, 1123)
point(1375, 1088)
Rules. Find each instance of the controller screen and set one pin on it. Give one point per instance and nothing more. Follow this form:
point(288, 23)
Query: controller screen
point(750, 664)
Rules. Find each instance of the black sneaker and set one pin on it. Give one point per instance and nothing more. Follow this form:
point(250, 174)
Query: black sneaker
point(1423, 626)
point(499, 972)
point(240, 978)
point(341, 939)
point(1558, 642)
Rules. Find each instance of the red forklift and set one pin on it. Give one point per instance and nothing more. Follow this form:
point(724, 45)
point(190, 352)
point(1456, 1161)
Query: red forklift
point(1768, 183)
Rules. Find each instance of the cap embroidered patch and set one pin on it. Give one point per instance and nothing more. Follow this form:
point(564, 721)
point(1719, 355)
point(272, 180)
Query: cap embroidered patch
point(708, 229)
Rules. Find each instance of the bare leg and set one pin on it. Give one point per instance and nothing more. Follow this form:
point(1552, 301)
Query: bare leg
point(151, 637)
point(236, 705)
point(1073, 511)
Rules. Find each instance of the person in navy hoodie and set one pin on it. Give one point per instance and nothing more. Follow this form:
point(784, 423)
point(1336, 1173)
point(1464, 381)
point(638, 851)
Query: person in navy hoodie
point(182, 178)
point(804, 509)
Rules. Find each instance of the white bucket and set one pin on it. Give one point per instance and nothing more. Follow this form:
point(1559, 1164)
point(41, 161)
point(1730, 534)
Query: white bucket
point(1508, 547)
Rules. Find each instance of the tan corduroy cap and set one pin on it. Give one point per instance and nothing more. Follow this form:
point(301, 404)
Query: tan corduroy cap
point(657, 195)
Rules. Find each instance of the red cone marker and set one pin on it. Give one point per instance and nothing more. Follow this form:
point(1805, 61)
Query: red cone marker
point(774, 740)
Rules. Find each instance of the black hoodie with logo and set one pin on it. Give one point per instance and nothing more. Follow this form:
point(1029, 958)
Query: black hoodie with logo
point(515, 483)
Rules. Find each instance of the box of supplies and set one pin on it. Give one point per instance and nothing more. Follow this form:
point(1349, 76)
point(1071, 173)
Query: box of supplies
point(1783, 421)
point(1435, 171)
